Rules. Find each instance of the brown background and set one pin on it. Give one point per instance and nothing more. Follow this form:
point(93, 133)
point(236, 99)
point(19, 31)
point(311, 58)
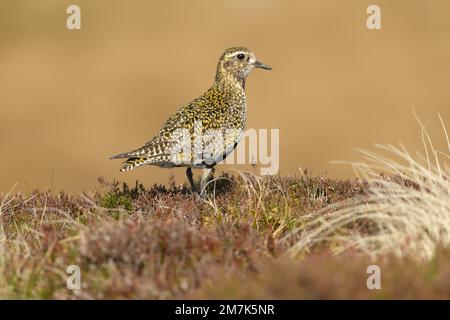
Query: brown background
point(70, 99)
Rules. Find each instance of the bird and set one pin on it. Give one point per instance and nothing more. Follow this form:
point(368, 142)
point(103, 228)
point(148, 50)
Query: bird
point(205, 131)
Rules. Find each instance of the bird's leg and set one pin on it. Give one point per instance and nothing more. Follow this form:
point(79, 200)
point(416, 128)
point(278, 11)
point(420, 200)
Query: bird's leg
point(207, 173)
point(190, 178)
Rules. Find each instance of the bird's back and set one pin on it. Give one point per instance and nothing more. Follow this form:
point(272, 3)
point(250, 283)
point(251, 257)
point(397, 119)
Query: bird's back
point(220, 111)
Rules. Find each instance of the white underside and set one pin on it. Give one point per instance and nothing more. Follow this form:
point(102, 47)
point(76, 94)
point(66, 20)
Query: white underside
point(200, 163)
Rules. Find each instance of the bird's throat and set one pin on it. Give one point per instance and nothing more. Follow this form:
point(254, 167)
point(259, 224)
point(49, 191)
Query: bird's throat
point(229, 81)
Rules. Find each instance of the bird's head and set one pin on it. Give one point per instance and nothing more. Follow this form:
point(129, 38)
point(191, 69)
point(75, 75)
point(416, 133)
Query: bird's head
point(237, 62)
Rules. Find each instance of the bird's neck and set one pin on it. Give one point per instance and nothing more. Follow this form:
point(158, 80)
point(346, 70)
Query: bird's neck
point(228, 81)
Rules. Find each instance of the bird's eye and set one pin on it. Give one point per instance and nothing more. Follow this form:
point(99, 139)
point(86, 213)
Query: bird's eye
point(241, 56)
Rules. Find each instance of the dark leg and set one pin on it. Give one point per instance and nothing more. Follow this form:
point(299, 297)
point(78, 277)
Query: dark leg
point(190, 178)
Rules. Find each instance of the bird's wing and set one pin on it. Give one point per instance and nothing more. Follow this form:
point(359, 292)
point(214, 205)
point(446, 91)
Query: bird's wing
point(161, 144)
point(180, 133)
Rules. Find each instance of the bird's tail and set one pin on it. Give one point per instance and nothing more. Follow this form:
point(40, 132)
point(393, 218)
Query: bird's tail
point(132, 163)
point(120, 156)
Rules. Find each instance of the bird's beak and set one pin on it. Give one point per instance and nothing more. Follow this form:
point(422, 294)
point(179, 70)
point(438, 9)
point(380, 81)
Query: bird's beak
point(261, 65)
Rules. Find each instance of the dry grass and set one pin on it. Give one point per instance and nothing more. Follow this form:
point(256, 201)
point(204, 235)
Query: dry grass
point(132, 242)
point(406, 211)
point(157, 243)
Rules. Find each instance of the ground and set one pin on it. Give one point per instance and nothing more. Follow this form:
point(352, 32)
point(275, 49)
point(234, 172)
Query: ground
point(162, 243)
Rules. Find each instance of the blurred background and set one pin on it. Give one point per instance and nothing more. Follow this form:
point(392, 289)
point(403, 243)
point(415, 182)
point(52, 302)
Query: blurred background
point(69, 99)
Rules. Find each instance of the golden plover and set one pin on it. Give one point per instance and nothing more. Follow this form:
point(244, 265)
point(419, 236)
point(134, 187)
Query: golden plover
point(203, 132)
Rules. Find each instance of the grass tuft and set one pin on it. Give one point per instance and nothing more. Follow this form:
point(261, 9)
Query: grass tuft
point(406, 211)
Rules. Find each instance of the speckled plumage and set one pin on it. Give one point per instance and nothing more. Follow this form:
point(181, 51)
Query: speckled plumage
point(222, 107)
